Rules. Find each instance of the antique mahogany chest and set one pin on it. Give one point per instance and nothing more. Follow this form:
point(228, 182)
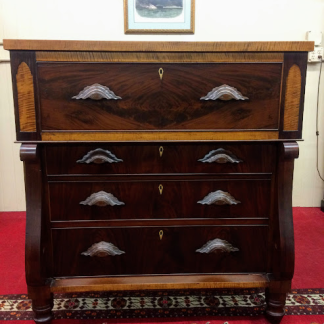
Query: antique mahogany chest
point(158, 165)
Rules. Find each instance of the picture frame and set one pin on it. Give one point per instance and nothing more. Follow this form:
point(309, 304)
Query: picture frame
point(159, 16)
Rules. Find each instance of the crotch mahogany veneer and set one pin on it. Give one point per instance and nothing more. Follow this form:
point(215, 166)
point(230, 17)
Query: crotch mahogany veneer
point(155, 165)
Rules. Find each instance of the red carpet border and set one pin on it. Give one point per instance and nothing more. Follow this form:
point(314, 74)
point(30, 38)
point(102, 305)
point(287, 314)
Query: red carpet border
point(166, 304)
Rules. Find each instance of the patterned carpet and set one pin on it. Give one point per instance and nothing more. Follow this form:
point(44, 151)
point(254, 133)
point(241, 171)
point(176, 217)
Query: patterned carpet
point(155, 304)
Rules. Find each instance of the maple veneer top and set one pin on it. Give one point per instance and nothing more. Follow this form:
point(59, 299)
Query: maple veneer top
point(138, 46)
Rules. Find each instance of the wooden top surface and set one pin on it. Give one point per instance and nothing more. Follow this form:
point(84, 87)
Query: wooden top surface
point(64, 45)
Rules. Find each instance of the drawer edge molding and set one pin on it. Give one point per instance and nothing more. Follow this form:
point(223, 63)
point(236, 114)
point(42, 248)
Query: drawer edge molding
point(217, 245)
point(102, 199)
point(219, 197)
point(225, 93)
point(99, 156)
point(102, 249)
point(176, 136)
point(96, 92)
point(220, 156)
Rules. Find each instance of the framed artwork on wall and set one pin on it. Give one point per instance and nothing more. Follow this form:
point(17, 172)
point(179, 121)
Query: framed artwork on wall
point(159, 16)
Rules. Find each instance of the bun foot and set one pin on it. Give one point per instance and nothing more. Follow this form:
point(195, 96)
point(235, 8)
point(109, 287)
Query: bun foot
point(43, 314)
point(275, 306)
point(42, 303)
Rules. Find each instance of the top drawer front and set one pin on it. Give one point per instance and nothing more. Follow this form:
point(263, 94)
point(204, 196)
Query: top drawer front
point(103, 158)
point(149, 99)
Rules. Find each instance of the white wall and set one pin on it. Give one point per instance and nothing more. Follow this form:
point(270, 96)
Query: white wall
point(231, 20)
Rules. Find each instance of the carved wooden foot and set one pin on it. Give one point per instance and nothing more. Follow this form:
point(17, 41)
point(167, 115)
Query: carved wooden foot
point(42, 304)
point(275, 306)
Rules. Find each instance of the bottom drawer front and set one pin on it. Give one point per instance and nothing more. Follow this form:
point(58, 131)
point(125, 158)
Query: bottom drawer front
point(159, 250)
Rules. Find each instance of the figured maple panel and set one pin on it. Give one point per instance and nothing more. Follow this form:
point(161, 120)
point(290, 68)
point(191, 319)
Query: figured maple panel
point(64, 45)
point(150, 57)
point(149, 101)
point(292, 99)
point(26, 102)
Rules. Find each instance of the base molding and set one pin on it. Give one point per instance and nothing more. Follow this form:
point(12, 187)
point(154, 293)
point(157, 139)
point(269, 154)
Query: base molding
point(160, 282)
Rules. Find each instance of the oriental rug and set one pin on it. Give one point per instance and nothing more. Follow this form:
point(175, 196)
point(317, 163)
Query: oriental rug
point(163, 304)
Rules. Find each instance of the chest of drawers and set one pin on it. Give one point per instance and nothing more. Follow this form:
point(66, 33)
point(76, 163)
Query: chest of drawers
point(158, 165)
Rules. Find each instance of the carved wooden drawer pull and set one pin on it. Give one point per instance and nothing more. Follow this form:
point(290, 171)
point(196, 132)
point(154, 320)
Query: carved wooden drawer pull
point(224, 92)
point(102, 249)
point(99, 156)
point(220, 156)
point(102, 199)
point(219, 197)
point(217, 245)
point(96, 92)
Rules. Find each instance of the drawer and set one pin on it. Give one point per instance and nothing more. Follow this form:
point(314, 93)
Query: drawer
point(159, 199)
point(159, 250)
point(103, 158)
point(186, 97)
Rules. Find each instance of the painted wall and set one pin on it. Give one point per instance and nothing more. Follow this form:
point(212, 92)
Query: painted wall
point(231, 20)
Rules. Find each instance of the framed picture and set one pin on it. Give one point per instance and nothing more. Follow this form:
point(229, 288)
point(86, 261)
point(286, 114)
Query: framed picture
point(159, 16)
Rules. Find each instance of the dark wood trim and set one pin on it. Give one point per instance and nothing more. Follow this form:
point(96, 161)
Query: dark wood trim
point(61, 45)
point(36, 276)
point(288, 153)
point(42, 303)
point(29, 154)
point(161, 222)
point(160, 177)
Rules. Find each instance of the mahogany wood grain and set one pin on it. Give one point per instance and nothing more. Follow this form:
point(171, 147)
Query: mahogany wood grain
point(159, 177)
point(288, 153)
point(142, 200)
point(42, 303)
point(146, 98)
point(145, 158)
point(149, 57)
point(36, 244)
point(158, 130)
point(143, 244)
point(111, 46)
point(283, 251)
point(30, 155)
point(160, 222)
point(160, 282)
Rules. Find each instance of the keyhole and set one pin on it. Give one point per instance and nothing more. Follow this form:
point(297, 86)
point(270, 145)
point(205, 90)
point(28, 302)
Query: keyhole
point(161, 234)
point(161, 151)
point(160, 189)
point(161, 73)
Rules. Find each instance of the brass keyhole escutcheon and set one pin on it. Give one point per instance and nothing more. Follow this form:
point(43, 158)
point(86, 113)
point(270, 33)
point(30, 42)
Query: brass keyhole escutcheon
point(161, 149)
point(161, 234)
point(160, 189)
point(161, 73)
